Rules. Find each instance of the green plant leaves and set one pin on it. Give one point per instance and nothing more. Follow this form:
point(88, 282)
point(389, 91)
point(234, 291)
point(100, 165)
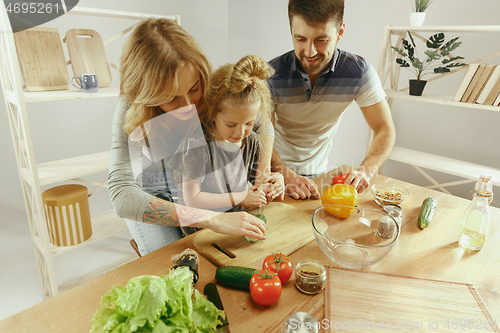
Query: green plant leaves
point(436, 41)
point(450, 46)
point(437, 49)
point(402, 62)
point(432, 55)
point(447, 60)
point(441, 70)
point(409, 48)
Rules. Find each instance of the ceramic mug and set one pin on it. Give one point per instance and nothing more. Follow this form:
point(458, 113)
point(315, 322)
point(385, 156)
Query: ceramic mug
point(88, 83)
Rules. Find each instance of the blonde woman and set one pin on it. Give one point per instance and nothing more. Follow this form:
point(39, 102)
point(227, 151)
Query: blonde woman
point(217, 166)
point(164, 75)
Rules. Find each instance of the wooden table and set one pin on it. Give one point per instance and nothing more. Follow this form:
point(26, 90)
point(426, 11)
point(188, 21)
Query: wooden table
point(430, 253)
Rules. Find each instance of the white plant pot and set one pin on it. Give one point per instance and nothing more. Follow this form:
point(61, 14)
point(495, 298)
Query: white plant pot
point(417, 19)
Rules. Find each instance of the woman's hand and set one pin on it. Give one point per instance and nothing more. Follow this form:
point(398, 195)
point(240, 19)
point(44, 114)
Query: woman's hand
point(255, 197)
point(274, 186)
point(236, 223)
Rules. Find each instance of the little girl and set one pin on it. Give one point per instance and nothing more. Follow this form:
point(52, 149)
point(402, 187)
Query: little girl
point(213, 170)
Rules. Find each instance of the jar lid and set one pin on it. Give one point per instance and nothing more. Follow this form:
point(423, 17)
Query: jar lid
point(64, 195)
point(395, 209)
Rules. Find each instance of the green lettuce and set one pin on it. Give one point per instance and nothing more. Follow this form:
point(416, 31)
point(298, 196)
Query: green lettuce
point(157, 304)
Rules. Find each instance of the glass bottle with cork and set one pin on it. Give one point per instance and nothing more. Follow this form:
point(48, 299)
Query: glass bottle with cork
point(477, 215)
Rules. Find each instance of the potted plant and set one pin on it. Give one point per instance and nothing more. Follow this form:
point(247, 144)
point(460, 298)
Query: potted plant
point(418, 16)
point(438, 51)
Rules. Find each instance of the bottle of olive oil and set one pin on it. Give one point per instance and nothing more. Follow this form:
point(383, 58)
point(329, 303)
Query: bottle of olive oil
point(477, 215)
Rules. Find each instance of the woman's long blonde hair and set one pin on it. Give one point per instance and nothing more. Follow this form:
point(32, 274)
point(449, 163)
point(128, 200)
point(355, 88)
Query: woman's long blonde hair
point(151, 61)
point(243, 82)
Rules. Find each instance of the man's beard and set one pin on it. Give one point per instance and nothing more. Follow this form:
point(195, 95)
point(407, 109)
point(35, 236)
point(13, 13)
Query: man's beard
point(317, 68)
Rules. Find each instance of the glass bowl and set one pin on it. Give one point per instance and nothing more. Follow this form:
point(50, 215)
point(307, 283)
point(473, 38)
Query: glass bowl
point(389, 194)
point(358, 241)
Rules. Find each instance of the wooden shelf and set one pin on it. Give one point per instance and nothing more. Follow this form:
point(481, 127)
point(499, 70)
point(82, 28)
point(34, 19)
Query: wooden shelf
point(451, 28)
point(104, 225)
point(443, 164)
point(71, 94)
point(437, 99)
point(77, 10)
point(70, 168)
point(32, 175)
point(389, 70)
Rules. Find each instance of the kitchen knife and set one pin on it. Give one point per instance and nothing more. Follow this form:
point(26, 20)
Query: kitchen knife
point(213, 296)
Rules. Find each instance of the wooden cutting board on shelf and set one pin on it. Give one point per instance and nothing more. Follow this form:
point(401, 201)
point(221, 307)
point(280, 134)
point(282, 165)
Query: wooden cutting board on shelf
point(41, 58)
point(288, 229)
point(87, 54)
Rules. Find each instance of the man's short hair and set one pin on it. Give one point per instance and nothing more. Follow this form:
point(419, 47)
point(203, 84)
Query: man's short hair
point(317, 11)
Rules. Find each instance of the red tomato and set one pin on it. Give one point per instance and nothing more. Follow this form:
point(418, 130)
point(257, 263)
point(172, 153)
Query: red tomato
point(273, 261)
point(265, 288)
point(339, 178)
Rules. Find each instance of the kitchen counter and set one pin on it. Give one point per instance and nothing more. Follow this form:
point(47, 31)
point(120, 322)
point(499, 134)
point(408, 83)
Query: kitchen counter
point(429, 253)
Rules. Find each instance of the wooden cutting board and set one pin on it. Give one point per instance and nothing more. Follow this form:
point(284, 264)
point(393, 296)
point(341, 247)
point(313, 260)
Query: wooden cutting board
point(288, 229)
point(41, 58)
point(379, 302)
point(87, 54)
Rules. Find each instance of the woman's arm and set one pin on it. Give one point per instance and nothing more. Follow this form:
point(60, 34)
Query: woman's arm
point(235, 223)
point(128, 199)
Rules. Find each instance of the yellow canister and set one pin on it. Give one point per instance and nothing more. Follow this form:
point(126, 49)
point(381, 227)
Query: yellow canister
point(67, 214)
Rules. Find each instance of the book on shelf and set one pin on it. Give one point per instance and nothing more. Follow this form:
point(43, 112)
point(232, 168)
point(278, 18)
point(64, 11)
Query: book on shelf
point(497, 101)
point(472, 83)
point(494, 93)
point(489, 85)
point(478, 87)
point(464, 84)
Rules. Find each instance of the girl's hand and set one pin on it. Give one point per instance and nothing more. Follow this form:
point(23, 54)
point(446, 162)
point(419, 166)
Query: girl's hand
point(236, 223)
point(255, 197)
point(274, 186)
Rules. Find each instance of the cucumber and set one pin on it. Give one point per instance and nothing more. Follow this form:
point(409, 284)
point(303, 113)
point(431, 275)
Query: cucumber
point(235, 276)
point(255, 240)
point(426, 212)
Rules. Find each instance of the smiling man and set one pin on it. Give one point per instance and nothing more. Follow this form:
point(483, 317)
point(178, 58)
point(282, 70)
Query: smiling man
point(311, 88)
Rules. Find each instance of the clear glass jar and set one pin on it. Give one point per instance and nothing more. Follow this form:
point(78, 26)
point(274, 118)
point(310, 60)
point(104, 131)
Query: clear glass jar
point(310, 276)
point(386, 227)
point(395, 212)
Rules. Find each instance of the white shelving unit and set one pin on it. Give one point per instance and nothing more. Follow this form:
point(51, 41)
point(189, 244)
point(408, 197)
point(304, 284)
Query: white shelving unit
point(390, 70)
point(34, 175)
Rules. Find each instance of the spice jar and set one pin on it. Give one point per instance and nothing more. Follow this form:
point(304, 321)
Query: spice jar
point(386, 226)
point(395, 212)
point(310, 276)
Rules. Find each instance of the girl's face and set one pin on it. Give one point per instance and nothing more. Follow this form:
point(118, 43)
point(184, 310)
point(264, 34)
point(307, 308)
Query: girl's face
point(189, 93)
point(235, 121)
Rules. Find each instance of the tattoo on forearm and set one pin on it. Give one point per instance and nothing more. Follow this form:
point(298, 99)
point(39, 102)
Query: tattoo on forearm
point(167, 213)
point(160, 212)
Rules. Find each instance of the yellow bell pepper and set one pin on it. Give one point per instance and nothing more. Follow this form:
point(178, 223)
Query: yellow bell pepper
point(340, 194)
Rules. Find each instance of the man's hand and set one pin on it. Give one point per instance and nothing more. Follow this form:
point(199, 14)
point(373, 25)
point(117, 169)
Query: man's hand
point(300, 187)
point(359, 179)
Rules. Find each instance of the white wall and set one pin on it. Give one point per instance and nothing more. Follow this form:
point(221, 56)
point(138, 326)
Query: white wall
point(227, 30)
